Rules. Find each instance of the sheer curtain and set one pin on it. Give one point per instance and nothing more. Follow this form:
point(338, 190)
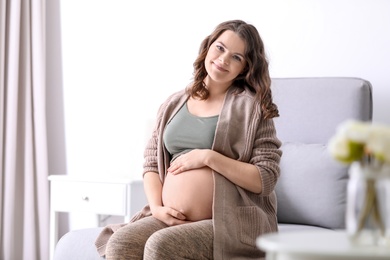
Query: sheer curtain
point(24, 191)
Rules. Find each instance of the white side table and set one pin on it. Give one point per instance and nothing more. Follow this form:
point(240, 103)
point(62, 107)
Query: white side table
point(98, 196)
point(316, 245)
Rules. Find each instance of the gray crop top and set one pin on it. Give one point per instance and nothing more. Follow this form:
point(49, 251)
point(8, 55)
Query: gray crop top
point(186, 132)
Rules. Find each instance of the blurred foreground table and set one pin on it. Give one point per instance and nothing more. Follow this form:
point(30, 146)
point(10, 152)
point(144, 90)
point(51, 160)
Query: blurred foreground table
point(316, 245)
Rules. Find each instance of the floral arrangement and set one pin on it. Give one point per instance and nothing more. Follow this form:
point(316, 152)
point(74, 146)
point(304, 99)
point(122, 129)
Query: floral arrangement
point(367, 147)
point(361, 141)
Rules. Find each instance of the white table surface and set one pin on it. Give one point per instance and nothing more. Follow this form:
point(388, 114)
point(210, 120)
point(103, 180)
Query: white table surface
point(316, 244)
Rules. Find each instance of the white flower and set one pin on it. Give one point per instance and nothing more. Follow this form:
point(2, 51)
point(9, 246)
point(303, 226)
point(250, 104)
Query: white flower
point(355, 131)
point(379, 142)
point(355, 140)
point(338, 147)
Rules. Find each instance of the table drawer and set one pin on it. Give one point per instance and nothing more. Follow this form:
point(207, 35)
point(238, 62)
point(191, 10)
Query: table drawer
point(99, 198)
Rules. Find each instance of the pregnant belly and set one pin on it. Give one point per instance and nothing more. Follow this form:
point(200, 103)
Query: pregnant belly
point(190, 192)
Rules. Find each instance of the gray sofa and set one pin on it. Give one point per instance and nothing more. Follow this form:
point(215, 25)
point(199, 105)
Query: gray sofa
point(312, 186)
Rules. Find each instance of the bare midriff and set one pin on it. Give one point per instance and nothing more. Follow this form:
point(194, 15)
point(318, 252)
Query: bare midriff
point(190, 192)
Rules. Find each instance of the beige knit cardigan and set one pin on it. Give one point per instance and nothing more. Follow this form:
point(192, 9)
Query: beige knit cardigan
point(239, 216)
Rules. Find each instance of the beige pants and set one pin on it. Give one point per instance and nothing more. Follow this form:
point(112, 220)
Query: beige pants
point(149, 238)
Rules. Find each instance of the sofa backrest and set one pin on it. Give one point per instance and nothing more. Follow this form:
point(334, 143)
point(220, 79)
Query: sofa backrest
point(311, 108)
point(312, 187)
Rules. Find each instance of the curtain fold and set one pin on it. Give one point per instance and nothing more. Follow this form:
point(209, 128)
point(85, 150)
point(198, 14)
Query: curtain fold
point(24, 191)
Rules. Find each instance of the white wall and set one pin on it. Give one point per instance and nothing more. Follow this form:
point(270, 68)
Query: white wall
point(122, 58)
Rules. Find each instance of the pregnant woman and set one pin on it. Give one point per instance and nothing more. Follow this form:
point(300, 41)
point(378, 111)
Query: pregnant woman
point(212, 161)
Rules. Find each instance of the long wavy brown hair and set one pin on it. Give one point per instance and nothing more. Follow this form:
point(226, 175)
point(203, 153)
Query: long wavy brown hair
point(256, 74)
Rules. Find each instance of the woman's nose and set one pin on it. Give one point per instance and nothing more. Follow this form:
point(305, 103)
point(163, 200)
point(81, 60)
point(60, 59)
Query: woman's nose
point(224, 59)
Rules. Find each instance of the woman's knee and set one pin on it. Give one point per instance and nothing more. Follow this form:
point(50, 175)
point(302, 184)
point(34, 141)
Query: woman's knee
point(157, 246)
point(128, 242)
point(181, 242)
point(122, 245)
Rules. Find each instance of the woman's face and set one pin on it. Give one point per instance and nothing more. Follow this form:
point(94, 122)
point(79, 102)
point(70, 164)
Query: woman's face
point(225, 58)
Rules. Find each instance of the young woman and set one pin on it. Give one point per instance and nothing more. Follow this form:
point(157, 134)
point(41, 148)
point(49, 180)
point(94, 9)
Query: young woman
point(212, 162)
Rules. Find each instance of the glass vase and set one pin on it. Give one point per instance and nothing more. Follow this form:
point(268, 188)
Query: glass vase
point(368, 205)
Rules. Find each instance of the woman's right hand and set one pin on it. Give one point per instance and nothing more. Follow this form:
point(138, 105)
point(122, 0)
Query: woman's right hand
point(169, 216)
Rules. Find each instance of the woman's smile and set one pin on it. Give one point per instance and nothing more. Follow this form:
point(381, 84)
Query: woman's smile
point(220, 68)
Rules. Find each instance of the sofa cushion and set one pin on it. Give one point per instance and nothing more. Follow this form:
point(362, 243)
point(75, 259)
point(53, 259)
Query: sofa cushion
point(78, 244)
point(312, 187)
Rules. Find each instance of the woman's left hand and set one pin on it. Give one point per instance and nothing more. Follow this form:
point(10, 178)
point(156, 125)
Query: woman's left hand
point(192, 160)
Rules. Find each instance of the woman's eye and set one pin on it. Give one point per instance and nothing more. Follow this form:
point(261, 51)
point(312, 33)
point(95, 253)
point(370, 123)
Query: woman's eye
point(237, 58)
point(219, 47)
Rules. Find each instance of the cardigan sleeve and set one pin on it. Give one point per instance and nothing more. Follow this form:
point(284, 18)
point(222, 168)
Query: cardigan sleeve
point(266, 154)
point(150, 152)
point(152, 158)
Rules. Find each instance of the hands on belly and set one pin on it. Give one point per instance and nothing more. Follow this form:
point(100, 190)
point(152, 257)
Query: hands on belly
point(170, 216)
point(189, 161)
point(190, 193)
